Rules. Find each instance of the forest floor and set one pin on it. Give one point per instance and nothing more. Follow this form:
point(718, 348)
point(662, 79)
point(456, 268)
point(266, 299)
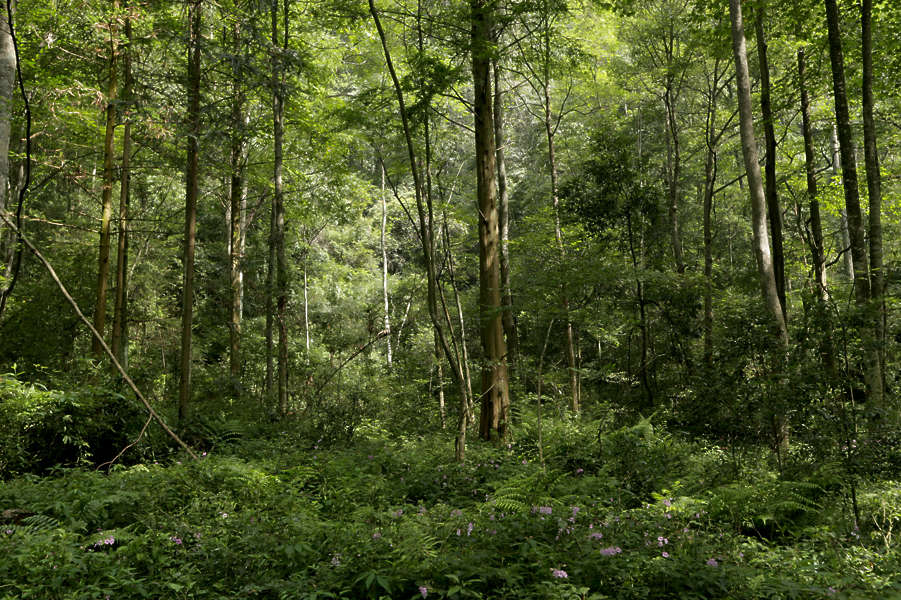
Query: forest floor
point(628, 514)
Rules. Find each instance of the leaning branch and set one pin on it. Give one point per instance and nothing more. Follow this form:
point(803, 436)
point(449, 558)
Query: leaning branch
point(62, 288)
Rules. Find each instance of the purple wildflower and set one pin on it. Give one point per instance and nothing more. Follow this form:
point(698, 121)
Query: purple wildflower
point(712, 562)
point(559, 573)
point(665, 555)
point(596, 535)
point(424, 591)
point(611, 551)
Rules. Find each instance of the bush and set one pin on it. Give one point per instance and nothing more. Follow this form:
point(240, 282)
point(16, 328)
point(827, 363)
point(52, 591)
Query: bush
point(41, 429)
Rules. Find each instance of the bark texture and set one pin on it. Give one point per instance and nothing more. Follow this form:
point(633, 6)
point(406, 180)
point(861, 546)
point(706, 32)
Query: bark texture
point(752, 167)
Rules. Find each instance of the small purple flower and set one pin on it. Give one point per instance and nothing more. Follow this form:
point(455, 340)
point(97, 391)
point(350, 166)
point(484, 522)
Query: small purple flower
point(712, 562)
point(596, 535)
point(424, 591)
point(559, 573)
point(9, 532)
point(545, 510)
point(667, 502)
point(665, 555)
point(611, 551)
point(469, 528)
point(579, 471)
point(376, 535)
point(176, 540)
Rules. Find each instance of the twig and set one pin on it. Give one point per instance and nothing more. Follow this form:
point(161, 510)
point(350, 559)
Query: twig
point(121, 452)
point(331, 375)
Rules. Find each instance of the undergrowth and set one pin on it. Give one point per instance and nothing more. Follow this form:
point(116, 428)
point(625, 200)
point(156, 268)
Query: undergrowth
point(623, 513)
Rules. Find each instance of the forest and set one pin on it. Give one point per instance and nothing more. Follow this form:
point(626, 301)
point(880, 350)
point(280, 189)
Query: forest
point(461, 299)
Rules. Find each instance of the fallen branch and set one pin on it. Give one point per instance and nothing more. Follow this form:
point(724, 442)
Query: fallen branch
point(62, 288)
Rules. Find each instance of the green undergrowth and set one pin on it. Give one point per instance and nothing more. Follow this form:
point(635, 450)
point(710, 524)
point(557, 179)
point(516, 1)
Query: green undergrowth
point(631, 513)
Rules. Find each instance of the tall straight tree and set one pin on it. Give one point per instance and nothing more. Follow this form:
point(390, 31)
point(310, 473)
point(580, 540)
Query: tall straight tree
point(769, 134)
point(816, 228)
point(495, 397)
point(120, 320)
point(107, 191)
point(862, 290)
point(752, 168)
point(191, 193)
point(279, 92)
point(874, 183)
point(7, 88)
point(503, 196)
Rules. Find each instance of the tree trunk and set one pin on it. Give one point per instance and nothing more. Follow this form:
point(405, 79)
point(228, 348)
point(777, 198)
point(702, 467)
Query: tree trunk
point(843, 233)
point(120, 328)
point(504, 215)
point(874, 189)
point(7, 89)
point(772, 198)
point(495, 396)
point(281, 271)
point(237, 211)
point(710, 171)
point(674, 173)
point(862, 290)
point(107, 192)
point(575, 404)
point(191, 193)
point(816, 228)
point(387, 320)
point(755, 183)
point(270, 307)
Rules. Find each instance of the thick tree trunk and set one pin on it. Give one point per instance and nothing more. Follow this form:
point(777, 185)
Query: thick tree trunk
point(495, 396)
point(281, 271)
point(816, 228)
point(755, 183)
point(504, 215)
point(862, 290)
point(120, 327)
point(107, 192)
point(191, 193)
point(769, 133)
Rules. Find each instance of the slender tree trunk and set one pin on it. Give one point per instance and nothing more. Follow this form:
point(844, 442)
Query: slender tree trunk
point(120, 328)
point(710, 172)
point(862, 290)
point(495, 396)
point(426, 235)
point(769, 133)
point(7, 89)
point(874, 188)
point(504, 215)
point(306, 312)
point(237, 211)
point(191, 193)
point(270, 307)
point(752, 167)
point(442, 411)
point(387, 320)
point(109, 140)
point(281, 271)
point(575, 403)
point(674, 168)
point(844, 234)
point(817, 250)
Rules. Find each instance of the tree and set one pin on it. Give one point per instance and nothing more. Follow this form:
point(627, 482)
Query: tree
point(495, 396)
point(752, 167)
point(191, 193)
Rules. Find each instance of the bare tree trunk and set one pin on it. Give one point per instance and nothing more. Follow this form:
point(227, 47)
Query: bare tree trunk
point(752, 167)
point(575, 403)
point(816, 228)
point(107, 192)
point(504, 215)
point(874, 188)
point(191, 193)
point(270, 307)
point(442, 411)
point(385, 277)
point(120, 327)
point(772, 198)
point(710, 171)
point(237, 211)
point(495, 396)
point(7, 89)
point(674, 168)
point(843, 234)
point(862, 290)
point(281, 271)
